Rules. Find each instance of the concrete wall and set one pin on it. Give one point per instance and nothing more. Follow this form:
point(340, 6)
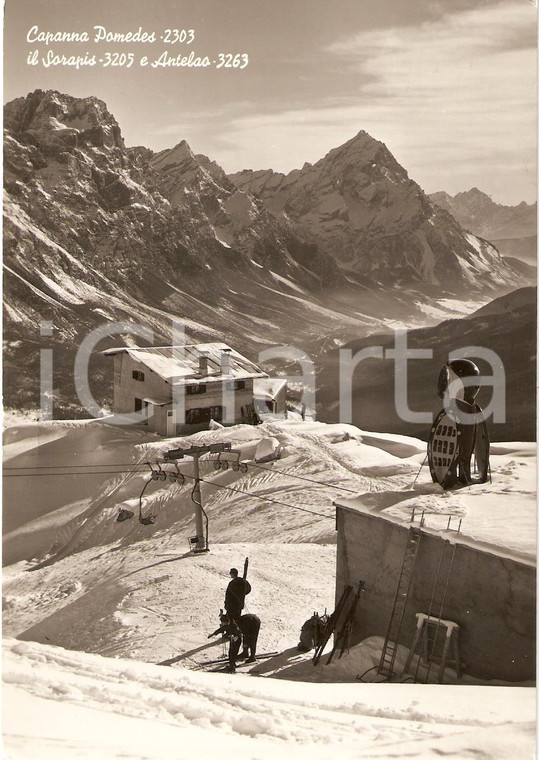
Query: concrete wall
point(127, 389)
point(493, 599)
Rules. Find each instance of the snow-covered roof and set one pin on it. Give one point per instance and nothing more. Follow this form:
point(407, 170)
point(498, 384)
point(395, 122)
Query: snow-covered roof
point(491, 520)
point(179, 364)
point(268, 388)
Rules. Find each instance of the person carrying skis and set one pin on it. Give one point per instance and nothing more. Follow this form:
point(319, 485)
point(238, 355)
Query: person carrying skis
point(235, 594)
point(246, 628)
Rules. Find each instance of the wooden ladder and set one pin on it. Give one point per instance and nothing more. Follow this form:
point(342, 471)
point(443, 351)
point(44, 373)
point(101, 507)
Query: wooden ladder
point(391, 642)
point(431, 625)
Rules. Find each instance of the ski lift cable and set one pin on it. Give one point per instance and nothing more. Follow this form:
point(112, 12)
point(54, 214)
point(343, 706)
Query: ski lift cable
point(58, 474)
point(77, 466)
point(302, 477)
point(267, 499)
point(120, 471)
point(113, 472)
point(203, 480)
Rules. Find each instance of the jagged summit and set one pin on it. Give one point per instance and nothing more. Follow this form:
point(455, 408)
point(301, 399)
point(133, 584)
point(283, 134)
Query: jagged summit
point(474, 191)
point(180, 152)
point(361, 207)
point(359, 148)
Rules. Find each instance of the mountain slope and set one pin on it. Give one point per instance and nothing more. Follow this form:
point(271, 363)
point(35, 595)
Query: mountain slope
point(240, 221)
point(507, 326)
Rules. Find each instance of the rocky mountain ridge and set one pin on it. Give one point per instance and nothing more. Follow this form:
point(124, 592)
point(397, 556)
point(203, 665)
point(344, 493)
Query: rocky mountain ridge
point(512, 229)
point(361, 207)
point(96, 233)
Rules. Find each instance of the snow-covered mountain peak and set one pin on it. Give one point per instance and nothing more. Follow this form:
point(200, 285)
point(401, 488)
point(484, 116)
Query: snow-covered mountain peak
point(51, 112)
point(360, 206)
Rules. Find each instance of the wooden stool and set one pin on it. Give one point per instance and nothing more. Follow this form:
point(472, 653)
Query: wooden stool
point(450, 632)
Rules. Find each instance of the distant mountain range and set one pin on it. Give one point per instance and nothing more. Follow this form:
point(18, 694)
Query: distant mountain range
point(95, 232)
point(513, 229)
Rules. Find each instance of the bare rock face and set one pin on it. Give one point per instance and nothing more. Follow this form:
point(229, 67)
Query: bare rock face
point(361, 207)
point(239, 220)
point(73, 193)
point(85, 242)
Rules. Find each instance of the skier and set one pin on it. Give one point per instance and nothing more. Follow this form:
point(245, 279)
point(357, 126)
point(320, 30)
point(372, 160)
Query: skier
point(246, 628)
point(235, 594)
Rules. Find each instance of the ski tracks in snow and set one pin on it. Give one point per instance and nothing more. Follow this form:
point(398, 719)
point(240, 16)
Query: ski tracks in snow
point(221, 704)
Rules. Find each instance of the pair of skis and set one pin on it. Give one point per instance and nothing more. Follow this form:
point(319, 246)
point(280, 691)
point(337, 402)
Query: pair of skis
point(223, 660)
point(343, 636)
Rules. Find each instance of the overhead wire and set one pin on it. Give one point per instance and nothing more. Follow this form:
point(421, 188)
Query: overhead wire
point(301, 477)
point(93, 472)
point(202, 480)
point(265, 498)
point(144, 464)
point(121, 471)
point(65, 466)
point(89, 469)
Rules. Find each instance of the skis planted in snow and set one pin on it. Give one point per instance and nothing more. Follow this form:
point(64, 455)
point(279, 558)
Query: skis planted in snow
point(342, 639)
point(239, 664)
point(332, 622)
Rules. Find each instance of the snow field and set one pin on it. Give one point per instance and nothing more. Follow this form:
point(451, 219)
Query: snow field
point(245, 716)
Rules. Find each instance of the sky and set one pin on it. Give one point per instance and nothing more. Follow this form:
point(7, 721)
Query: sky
point(448, 85)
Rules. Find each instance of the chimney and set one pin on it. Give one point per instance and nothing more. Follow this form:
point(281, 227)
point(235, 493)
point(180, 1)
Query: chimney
point(203, 365)
point(225, 361)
